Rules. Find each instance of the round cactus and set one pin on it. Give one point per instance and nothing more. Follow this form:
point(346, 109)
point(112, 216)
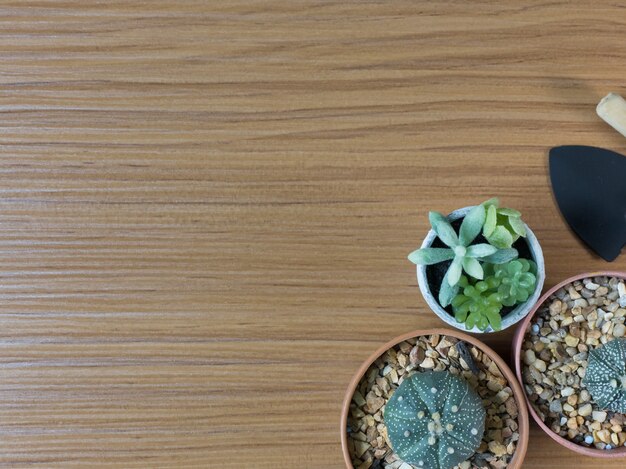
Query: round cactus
point(435, 420)
point(605, 377)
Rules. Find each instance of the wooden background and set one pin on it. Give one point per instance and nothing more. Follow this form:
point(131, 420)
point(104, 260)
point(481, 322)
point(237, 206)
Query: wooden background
point(206, 206)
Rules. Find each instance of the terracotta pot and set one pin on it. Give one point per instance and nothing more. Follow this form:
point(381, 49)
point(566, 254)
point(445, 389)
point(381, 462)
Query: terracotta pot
point(517, 353)
point(518, 393)
point(518, 313)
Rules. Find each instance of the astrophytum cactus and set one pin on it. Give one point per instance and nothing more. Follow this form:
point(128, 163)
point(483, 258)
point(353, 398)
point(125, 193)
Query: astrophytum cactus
point(435, 420)
point(605, 377)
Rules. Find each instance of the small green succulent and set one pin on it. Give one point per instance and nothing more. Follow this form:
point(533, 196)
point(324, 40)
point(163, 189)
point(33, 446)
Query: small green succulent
point(465, 256)
point(435, 420)
point(503, 226)
point(517, 280)
point(479, 305)
point(605, 376)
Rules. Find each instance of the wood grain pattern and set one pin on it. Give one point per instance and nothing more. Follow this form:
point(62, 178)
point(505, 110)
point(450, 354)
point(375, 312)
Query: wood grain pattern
point(207, 205)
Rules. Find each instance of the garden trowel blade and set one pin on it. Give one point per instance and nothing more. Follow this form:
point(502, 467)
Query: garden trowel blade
point(589, 185)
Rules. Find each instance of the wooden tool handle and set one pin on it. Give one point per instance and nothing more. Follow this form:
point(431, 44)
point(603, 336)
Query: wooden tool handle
point(612, 109)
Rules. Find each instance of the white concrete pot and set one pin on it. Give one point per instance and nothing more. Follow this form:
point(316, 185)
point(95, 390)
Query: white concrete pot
point(520, 311)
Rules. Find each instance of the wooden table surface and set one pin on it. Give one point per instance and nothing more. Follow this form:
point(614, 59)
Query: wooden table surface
point(207, 205)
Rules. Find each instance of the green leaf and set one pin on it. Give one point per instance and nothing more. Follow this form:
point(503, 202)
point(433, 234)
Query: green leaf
point(471, 320)
point(471, 225)
point(515, 267)
point(501, 238)
point(447, 292)
point(473, 268)
point(429, 256)
point(501, 256)
point(454, 272)
point(494, 201)
point(444, 230)
point(509, 212)
point(518, 226)
point(490, 221)
point(480, 250)
point(460, 316)
point(483, 323)
point(494, 319)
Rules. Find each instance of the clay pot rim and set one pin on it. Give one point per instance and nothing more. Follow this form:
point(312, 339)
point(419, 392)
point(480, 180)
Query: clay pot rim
point(517, 352)
point(518, 393)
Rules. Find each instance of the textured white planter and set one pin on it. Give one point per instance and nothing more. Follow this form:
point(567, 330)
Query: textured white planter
point(514, 316)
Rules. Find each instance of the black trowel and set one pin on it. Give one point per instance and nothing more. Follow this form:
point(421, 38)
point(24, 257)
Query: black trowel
point(589, 185)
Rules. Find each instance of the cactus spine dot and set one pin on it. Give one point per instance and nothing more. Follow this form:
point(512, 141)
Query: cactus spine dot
point(435, 430)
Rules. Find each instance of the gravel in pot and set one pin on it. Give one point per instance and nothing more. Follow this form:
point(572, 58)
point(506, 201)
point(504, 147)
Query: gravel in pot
point(577, 319)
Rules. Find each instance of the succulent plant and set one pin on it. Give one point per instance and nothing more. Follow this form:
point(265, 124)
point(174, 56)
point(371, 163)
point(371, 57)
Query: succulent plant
point(479, 305)
point(465, 256)
point(605, 376)
point(517, 280)
point(503, 226)
point(435, 420)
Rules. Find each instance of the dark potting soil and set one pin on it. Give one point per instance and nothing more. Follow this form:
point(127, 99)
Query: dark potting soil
point(436, 272)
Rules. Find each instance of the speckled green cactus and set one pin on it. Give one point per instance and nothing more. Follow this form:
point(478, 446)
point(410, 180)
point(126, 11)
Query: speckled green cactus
point(605, 377)
point(435, 420)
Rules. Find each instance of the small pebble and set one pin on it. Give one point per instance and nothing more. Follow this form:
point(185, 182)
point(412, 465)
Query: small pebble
point(556, 406)
point(540, 365)
point(599, 416)
point(428, 363)
point(573, 294)
point(601, 291)
point(529, 357)
point(585, 410)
